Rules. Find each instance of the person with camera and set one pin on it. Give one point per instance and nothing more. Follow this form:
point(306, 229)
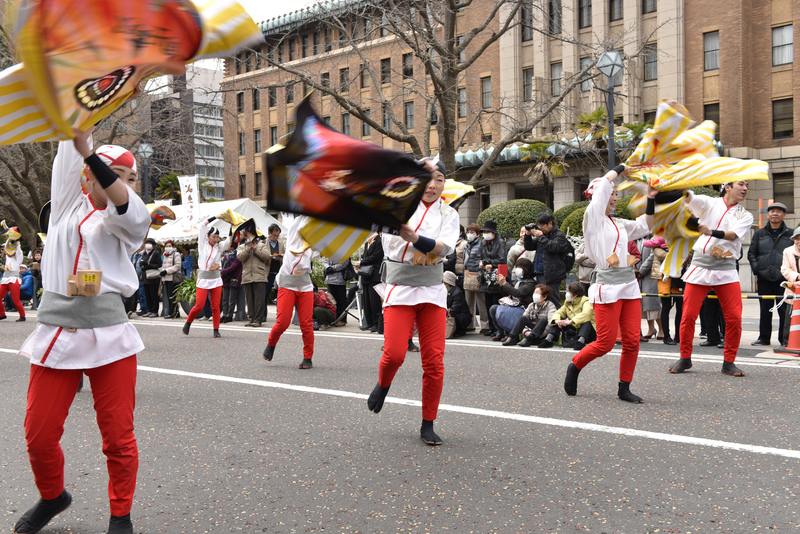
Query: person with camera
point(551, 246)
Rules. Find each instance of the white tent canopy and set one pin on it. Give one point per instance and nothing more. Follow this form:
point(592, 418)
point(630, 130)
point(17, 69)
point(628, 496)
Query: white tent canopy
point(183, 231)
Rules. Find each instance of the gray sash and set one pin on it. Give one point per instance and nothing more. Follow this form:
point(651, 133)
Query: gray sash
point(295, 280)
point(713, 264)
point(207, 275)
point(10, 274)
point(406, 274)
point(616, 276)
point(102, 310)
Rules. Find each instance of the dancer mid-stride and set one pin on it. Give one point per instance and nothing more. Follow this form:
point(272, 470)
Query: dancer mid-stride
point(414, 293)
point(10, 280)
point(209, 281)
point(614, 292)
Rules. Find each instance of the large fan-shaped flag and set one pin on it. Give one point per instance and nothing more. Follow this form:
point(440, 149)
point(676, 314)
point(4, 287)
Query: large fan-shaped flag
point(79, 60)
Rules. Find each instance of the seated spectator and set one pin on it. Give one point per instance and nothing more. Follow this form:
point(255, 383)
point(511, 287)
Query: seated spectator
point(324, 310)
point(458, 315)
point(26, 289)
point(535, 320)
point(576, 316)
point(520, 293)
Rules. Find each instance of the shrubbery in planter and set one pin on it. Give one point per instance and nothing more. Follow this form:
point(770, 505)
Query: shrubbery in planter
point(573, 224)
point(562, 213)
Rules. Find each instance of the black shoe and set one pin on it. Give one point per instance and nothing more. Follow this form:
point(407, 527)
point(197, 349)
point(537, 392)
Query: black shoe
point(20, 320)
point(40, 515)
point(707, 343)
point(721, 345)
point(412, 347)
point(545, 344)
point(487, 333)
point(669, 341)
point(305, 364)
point(80, 384)
point(186, 327)
point(216, 333)
point(428, 435)
point(498, 337)
point(510, 342)
point(624, 393)
point(729, 368)
point(759, 343)
point(376, 398)
point(120, 524)
point(571, 380)
point(3, 317)
point(578, 345)
point(269, 352)
point(680, 366)
point(524, 343)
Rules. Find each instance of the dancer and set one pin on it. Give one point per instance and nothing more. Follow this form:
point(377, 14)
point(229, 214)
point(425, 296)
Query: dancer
point(295, 290)
point(209, 281)
point(723, 222)
point(86, 334)
point(11, 281)
point(614, 292)
point(414, 293)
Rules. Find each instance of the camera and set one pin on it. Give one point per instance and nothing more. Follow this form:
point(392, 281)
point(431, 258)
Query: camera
point(531, 226)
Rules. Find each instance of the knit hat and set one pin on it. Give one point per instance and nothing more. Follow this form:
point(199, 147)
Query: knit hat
point(449, 278)
point(490, 226)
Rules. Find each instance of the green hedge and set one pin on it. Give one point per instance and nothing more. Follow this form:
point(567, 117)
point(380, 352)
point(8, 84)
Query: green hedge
point(512, 215)
point(562, 213)
point(704, 191)
point(622, 210)
point(573, 224)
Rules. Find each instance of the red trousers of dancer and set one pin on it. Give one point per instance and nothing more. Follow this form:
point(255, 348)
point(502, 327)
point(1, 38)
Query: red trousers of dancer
point(730, 298)
point(624, 315)
point(398, 323)
point(12, 288)
point(200, 302)
point(50, 395)
point(287, 301)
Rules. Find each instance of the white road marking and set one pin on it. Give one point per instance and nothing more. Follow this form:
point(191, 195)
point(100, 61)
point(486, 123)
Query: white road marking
point(674, 438)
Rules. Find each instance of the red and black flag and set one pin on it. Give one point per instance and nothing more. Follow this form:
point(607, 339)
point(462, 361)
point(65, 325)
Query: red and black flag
point(326, 174)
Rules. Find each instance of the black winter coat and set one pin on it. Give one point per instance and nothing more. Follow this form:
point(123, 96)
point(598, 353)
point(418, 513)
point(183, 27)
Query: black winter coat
point(766, 253)
point(554, 246)
point(151, 260)
point(373, 255)
point(524, 292)
point(458, 309)
point(492, 253)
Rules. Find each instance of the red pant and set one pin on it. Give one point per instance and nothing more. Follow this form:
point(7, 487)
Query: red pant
point(50, 394)
point(398, 324)
point(730, 298)
point(287, 301)
point(200, 302)
point(624, 316)
point(14, 289)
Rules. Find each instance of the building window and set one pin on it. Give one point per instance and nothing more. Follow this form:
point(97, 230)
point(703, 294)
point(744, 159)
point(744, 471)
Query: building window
point(526, 16)
point(239, 102)
point(649, 6)
point(325, 80)
point(711, 51)
point(408, 65)
point(555, 79)
point(650, 118)
point(384, 30)
point(344, 80)
point(386, 70)
point(650, 62)
point(256, 100)
point(434, 114)
point(242, 185)
point(782, 118)
point(615, 10)
point(486, 93)
point(408, 115)
point(710, 113)
point(387, 118)
point(272, 95)
point(241, 144)
point(584, 13)
point(290, 94)
point(554, 16)
point(290, 48)
point(259, 185)
point(782, 45)
point(366, 129)
point(364, 77)
point(273, 135)
point(346, 123)
point(304, 46)
point(327, 120)
point(368, 27)
point(462, 102)
point(328, 39)
point(462, 55)
point(586, 85)
point(315, 40)
point(527, 84)
point(257, 141)
point(783, 185)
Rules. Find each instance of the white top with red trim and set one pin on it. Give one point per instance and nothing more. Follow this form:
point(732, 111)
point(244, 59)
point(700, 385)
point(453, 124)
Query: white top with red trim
point(208, 256)
point(717, 215)
point(437, 221)
point(298, 256)
point(605, 235)
point(12, 264)
point(83, 237)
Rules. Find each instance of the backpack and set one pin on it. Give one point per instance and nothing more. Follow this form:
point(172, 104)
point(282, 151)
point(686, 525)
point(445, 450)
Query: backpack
point(569, 257)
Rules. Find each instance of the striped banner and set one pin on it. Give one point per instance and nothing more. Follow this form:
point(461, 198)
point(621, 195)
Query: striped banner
point(334, 241)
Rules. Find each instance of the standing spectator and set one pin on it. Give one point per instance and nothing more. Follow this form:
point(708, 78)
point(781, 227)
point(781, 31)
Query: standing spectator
point(36, 272)
point(516, 251)
point(337, 285)
point(765, 257)
point(136, 260)
point(170, 265)
point(551, 246)
point(585, 267)
point(492, 253)
point(188, 262)
point(455, 260)
point(231, 284)
point(369, 271)
point(276, 252)
point(458, 315)
point(790, 268)
point(472, 278)
point(672, 286)
point(255, 258)
point(151, 261)
point(649, 273)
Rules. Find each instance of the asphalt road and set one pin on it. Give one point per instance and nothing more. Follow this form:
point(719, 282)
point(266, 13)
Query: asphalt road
point(231, 443)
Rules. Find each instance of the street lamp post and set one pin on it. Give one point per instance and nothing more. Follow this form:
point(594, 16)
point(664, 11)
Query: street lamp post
point(610, 63)
point(145, 151)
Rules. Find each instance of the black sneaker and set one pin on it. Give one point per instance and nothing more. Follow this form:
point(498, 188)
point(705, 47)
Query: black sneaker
point(428, 435)
point(545, 344)
point(306, 364)
point(680, 366)
point(20, 320)
point(120, 524)
point(40, 515)
point(186, 327)
point(269, 352)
